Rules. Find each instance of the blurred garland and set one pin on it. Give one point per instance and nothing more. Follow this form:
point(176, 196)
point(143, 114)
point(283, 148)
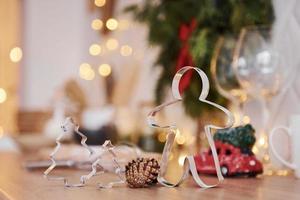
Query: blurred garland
point(213, 18)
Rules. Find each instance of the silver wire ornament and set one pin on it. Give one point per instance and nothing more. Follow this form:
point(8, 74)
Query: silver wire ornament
point(70, 125)
point(107, 146)
point(67, 126)
point(189, 162)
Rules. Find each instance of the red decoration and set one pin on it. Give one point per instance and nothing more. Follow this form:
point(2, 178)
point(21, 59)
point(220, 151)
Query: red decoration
point(184, 57)
point(232, 161)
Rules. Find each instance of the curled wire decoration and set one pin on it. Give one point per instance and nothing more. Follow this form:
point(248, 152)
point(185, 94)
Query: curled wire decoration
point(67, 126)
point(189, 163)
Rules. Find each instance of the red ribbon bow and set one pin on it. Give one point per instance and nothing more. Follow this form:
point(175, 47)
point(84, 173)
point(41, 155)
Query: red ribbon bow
point(184, 57)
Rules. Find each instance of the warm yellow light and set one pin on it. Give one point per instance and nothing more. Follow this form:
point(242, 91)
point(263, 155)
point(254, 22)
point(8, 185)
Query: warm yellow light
point(126, 50)
point(100, 3)
point(1, 132)
point(180, 139)
point(255, 149)
point(97, 24)
point(95, 49)
point(3, 95)
point(16, 54)
point(84, 67)
point(161, 137)
point(190, 140)
point(285, 173)
point(266, 158)
point(112, 24)
point(266, 145)
point(112, 44)
point(123, 24)
point(86, 72)
point(262, 141)
point(104, 70)
point(171, 156)
point(282, 172)
point(181, 160)
point(246, 119)
point(269, 173)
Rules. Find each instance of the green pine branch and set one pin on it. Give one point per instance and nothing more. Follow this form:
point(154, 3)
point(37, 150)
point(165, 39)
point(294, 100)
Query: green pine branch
point(214, 18)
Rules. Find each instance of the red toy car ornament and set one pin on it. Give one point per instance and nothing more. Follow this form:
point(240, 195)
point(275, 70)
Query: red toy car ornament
point(233, 161)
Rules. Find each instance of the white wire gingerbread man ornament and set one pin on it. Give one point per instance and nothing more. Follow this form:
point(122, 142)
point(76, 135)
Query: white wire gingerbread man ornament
point(189, 163)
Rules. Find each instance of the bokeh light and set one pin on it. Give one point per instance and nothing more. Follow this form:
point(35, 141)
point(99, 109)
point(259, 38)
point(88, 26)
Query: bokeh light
point(104, 70)
point(16, 54)
point(255, 149)
point(1, 132)
point(95, 49)
point(112, 44)
point(261, 141)
point(126, 50)
point(161, 137)
point(123, 24)
point(86, 72)
point(112, 24)
point(180, 139)
point(3, 95)
point(181, 160)
point(100, 3)
point(97, 24)
point(246, 119)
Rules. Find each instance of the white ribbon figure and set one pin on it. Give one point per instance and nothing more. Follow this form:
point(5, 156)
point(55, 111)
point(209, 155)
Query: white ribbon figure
point(189, 162)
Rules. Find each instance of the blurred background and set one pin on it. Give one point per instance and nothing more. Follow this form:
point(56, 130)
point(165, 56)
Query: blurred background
point(107, 63)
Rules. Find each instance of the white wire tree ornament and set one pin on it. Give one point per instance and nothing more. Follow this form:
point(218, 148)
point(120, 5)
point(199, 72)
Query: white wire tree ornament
point(107, 146)
point(189, 163)
point(70, 125)
point(67, 126)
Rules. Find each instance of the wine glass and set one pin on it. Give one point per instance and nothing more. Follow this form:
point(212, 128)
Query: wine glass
point(260, 71)
point(257, 64)
point(224, 77)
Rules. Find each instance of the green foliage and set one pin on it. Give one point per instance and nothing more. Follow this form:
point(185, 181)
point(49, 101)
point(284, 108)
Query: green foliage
point(214, 18)
point(242, 136)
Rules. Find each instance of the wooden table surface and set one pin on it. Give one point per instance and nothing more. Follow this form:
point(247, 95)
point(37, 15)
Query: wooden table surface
point(17, 183)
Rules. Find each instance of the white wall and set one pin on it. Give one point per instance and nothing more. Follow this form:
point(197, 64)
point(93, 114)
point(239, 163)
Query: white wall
point(287, 40)
point(56, 36)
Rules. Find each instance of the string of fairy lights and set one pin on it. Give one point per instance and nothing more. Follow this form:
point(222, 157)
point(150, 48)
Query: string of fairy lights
point(110, 44)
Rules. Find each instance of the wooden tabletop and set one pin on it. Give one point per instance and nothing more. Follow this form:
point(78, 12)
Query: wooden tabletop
point(17, 183)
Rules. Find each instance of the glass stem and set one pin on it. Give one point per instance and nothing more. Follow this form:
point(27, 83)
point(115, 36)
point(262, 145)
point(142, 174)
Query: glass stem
point(263, 136)
point(239, 107)
point(266, 114)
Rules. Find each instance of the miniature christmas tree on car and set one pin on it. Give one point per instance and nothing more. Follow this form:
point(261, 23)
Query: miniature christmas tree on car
point(241, 137)
point(234, 148)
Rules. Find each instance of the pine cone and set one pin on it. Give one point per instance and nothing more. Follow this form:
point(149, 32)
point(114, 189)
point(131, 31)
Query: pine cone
point(142, 172)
